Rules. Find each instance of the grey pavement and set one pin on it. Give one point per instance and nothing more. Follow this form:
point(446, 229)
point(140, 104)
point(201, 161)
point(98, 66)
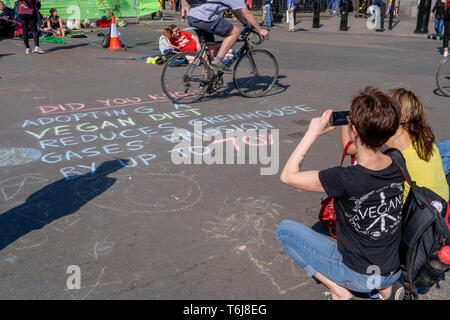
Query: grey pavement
point(152, 229)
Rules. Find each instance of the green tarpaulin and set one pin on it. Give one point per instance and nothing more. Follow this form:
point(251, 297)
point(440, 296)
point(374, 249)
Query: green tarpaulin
point(90, 9)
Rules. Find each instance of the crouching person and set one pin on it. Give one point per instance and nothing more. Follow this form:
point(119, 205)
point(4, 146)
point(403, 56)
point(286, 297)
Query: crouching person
point(368, 204)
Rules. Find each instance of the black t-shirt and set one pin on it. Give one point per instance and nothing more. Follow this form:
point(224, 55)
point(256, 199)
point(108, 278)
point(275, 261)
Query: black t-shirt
point(368, 232)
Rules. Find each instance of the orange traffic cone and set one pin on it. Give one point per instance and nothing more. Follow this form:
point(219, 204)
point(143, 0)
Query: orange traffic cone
point(114, 42)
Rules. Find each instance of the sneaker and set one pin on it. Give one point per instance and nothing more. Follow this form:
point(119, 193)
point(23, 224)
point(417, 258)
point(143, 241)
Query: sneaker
point(397, 293)
point(38, 50)
point(28, 50)
point(434, 37)
point(221, 67)
point(445, 53)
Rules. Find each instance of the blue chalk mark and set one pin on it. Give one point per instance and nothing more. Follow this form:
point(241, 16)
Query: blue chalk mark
point(18, 156)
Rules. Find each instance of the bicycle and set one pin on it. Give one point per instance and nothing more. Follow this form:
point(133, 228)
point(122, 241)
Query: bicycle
point(443, 77)
point(254, 73)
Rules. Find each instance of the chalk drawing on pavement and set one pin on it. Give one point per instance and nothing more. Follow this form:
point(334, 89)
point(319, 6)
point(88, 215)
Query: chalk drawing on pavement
point(105, 278)
point(249, 225)
point(31, 240)
point(18, 156)
point(149, 193)
point(12, 187)
point(101, 247)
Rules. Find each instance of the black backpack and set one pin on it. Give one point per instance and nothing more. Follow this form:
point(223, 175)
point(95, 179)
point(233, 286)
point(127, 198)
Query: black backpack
point(425, 231)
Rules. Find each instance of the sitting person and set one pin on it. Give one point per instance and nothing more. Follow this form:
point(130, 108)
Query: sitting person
point(6, 27)
point(54, 24)
point(164, 42)
point(186, 41)
point(368, 230)
point(416, 141)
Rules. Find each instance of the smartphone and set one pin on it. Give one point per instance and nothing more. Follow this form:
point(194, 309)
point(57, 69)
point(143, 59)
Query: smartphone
point(339, 118)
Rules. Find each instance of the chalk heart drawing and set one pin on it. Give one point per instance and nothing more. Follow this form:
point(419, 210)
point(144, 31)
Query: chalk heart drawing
point(148, 193)
point(250, 225)
point(18, 156)
point(11, 189)
point(101, 247)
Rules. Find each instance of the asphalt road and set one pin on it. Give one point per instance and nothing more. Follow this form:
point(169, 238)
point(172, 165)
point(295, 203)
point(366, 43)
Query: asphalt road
point(150, 229)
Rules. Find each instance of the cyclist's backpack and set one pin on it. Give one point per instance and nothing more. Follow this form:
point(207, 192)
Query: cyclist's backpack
point(196, 3)
point(424, 247)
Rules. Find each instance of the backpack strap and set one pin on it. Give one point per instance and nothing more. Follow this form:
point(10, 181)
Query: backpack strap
point(399, 160)
point(347, 146)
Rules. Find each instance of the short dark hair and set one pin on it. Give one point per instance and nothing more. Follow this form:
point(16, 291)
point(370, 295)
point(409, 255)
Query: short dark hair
point(375, 115)
point(52, 10)
point(172, 26)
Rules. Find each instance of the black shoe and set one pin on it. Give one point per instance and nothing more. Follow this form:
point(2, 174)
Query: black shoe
point(434, 37)
point(221, 67)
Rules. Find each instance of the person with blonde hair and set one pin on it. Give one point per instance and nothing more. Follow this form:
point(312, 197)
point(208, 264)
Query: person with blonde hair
point(164, 42)
point(416, 141)
point(365, 239)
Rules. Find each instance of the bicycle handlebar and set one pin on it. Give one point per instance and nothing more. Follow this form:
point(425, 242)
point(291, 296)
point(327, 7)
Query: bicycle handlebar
point(245, 33)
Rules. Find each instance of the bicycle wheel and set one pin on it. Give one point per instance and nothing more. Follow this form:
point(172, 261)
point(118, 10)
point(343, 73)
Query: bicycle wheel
point(184, 82)
point(443, 77)
point(255, 73)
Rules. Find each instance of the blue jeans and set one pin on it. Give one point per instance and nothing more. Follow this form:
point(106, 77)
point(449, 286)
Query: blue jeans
point(334, 5)
point(439, 26)
point(267, 20)
point(317, 254)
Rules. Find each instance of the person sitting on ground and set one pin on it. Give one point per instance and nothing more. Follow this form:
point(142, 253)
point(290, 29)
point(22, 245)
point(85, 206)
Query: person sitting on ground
point(186, 41)
point(206, 17)
point(164, 43)
point(416, 141)
point(366, 242)
point(54, 23)
point(6, 27)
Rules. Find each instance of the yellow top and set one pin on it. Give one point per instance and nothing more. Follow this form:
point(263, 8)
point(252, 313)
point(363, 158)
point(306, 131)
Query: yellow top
point(426, 174)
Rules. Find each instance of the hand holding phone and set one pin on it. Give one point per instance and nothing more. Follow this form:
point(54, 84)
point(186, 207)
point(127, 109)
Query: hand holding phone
point(339, 118)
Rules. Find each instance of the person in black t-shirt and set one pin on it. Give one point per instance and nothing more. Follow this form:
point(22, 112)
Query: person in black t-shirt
point(368, 203)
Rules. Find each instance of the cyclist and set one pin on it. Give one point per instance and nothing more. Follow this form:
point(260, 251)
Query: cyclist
point(206, 17)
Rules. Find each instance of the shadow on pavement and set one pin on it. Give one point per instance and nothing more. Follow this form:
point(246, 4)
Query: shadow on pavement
point(66, 47)
point(56, 200)
point(231, 90)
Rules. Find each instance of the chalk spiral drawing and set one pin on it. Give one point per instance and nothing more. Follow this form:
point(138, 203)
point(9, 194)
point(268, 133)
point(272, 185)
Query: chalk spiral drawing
point(163, 193)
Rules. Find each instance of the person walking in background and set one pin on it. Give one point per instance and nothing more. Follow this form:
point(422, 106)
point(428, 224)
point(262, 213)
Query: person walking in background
point(291, 11)
point(334, 5)
point(185, 7)
point(268, 11)
point(28, 15)
point(438, 12)
point(446, 30)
